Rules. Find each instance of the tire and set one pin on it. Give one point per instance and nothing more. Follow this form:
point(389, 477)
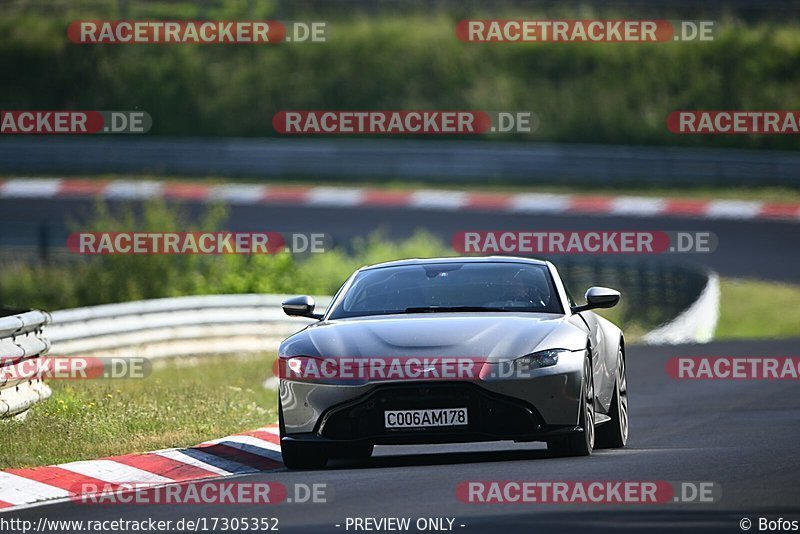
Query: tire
point(298, 455)
point(614, 433)
point(580, 443)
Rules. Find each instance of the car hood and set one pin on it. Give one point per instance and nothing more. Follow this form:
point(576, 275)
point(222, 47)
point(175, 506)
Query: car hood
point(494, 336)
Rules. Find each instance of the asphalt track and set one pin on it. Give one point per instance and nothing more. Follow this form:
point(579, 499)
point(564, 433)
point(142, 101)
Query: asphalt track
point(741, 435)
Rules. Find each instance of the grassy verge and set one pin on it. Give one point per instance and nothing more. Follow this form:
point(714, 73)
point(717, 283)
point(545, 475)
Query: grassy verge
point(749, 309)
point(182, 403)
point(752, 309)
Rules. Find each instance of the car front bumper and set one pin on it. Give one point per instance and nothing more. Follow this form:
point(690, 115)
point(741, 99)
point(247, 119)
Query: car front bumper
point(534, 407)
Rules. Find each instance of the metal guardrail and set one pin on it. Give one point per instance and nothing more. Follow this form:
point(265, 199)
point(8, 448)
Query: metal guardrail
point(197, 325)
point(424, 160)
point(655, 294)
point(654, 291)
point(223, 324)
point(226, 324)
point(21, 340)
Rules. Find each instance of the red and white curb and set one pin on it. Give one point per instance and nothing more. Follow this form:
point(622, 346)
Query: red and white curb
point(427, 199)
point(249, 452)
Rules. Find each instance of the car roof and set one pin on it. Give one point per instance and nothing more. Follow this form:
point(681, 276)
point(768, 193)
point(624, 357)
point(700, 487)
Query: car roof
point(459, 259)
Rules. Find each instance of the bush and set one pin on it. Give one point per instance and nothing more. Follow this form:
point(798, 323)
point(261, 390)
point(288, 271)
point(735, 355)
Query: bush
point(593, 93)
point(119, 278)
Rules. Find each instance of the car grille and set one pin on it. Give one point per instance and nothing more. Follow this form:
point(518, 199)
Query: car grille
point(492, 415)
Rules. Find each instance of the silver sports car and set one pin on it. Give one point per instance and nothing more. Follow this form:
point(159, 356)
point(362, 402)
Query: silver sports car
point(452, 350)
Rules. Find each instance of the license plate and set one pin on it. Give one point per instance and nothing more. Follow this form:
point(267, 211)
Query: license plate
point(425, 418)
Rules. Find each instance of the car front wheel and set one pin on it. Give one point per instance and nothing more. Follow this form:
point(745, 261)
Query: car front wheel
point(614, 434)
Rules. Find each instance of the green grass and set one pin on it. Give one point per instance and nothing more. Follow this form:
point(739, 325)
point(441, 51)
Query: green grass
point(182, 403)
point(749, 309)
point(752, 309)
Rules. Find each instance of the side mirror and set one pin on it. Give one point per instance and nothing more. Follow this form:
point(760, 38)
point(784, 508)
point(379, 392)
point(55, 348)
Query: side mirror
point(598, 297)
point(300, 307)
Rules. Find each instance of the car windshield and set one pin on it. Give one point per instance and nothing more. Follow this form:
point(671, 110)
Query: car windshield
point(449, 287)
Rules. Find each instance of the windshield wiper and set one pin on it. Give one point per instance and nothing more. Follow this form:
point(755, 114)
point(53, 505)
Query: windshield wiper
point(444, 309)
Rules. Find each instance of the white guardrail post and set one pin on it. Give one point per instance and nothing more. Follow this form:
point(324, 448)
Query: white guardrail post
point(21, 340)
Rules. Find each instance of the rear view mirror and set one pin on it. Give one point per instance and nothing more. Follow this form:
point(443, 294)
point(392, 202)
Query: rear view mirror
point(302, 306)
point(598, 297)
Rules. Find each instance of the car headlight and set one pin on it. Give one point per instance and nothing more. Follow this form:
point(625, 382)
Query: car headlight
point(537, 360)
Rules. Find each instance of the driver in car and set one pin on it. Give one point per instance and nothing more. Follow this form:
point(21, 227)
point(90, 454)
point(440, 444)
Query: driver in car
point(521, 291)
